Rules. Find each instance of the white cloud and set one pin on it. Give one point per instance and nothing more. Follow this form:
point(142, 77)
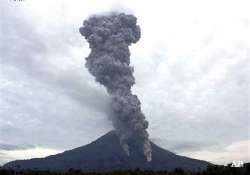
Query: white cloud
point(26, 154)
point(239, 151)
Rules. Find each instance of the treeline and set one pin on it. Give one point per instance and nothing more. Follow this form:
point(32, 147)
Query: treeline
point(211, 170)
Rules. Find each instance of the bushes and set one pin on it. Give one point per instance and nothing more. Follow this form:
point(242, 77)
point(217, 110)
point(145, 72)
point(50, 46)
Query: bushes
point(211, 170)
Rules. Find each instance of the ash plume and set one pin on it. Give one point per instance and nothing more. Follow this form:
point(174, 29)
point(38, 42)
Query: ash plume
point(109, 37)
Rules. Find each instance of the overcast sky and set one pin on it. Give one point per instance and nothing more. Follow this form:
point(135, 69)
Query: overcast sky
point(192, 68)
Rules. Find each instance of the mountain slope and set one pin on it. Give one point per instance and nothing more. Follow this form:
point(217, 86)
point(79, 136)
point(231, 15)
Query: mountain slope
point(105, 154)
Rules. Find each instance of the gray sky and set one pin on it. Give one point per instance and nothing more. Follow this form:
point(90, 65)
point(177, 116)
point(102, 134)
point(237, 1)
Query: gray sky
point(192, 68)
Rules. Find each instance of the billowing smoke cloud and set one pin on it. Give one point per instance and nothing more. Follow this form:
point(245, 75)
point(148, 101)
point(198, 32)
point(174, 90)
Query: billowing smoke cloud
point(109, 37)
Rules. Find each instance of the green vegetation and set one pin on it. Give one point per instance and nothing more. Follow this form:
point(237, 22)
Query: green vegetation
point(211, 170)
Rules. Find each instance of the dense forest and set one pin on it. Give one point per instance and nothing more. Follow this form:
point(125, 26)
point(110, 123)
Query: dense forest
point(211, 170)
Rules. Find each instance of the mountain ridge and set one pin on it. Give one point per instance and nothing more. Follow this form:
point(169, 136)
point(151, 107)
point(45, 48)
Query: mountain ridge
point(106, 154)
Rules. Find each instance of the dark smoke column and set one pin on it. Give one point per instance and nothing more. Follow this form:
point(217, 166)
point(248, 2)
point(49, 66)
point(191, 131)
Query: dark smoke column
point(109, 38)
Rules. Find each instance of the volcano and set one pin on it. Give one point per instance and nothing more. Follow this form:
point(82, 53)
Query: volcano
point(106, 154)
